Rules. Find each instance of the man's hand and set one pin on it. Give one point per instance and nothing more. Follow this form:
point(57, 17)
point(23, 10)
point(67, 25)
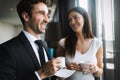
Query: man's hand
point(49, 68)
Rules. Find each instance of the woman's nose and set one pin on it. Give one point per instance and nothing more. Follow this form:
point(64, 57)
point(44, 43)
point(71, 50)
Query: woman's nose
point(72, 21)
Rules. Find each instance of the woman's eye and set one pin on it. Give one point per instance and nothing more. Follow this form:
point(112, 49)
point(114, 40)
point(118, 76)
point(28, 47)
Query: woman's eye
point(76, 17)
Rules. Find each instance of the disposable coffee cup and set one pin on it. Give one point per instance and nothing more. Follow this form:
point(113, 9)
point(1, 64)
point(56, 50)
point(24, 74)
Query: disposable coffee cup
point(62, 64)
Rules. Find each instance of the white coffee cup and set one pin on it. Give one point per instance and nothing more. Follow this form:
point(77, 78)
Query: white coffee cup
point(84, 65)
point(62, 64)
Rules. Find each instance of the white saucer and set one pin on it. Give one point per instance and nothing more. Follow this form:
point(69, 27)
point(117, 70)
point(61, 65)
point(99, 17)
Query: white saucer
point(64, 73)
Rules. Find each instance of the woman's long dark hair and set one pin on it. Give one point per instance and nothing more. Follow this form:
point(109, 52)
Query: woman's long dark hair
point(71, 39)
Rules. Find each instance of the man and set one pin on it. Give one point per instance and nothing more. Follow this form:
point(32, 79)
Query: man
point(19, 58)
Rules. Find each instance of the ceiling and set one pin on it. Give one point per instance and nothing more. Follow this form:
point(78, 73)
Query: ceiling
point(8, 11)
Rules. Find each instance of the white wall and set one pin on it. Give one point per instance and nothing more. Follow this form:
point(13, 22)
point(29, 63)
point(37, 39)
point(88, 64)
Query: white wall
point(8, 31)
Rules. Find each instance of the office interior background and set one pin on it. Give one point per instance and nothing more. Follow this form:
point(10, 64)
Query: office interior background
point(105, 24)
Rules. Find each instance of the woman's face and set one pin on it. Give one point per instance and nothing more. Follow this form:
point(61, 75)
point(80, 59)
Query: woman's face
point(76, 21)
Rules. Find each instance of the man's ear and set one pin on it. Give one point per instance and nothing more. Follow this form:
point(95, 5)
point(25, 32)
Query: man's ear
point(25, 16)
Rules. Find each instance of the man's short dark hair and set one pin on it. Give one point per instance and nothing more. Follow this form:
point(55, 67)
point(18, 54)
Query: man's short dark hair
point(27, 6)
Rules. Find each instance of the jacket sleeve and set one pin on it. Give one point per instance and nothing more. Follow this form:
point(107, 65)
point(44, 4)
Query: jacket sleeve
point(7, 64)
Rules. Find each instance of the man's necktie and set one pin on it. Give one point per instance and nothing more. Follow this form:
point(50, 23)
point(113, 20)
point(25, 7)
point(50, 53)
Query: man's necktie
point(42, 44)
point(40, 51)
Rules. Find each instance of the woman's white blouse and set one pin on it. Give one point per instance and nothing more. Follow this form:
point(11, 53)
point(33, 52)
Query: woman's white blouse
point(88, 57)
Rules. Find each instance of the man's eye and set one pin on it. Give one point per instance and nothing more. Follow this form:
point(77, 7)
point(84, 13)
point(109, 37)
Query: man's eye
point(41, 12)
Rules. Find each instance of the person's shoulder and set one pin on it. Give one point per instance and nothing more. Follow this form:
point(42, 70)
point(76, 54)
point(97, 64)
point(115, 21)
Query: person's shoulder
point(62, 42)
point(62, 39)
point(11, 42)
point(98, 40)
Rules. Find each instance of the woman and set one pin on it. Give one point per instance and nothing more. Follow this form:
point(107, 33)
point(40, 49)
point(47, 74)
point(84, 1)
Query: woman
point(81, 46)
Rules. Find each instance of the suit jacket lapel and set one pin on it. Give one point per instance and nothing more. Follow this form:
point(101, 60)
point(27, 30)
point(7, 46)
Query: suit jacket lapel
point(29, 49)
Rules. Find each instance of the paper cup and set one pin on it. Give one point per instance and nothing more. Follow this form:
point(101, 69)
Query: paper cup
point(84, 65)
point(62, 64)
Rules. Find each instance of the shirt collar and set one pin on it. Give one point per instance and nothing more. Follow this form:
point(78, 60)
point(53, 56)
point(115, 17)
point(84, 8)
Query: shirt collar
point(30, 37)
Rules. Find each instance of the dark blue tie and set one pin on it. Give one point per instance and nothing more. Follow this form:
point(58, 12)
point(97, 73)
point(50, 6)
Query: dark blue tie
point(40, 51)
point(42, 44)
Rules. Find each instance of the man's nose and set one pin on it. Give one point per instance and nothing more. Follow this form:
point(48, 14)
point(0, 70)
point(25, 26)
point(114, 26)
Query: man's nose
point(46, 19)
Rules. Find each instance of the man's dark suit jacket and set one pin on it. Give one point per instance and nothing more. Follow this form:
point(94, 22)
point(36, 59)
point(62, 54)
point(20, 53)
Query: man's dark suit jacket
point(18, 60)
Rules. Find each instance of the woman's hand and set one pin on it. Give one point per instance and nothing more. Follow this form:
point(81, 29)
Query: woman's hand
point(74, 66)
point(91, 68)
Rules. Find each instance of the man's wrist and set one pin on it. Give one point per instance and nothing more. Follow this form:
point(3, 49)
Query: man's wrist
point(41, 74)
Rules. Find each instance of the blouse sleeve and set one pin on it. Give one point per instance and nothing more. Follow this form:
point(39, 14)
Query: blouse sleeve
point(62, 42)
point(98, 42)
